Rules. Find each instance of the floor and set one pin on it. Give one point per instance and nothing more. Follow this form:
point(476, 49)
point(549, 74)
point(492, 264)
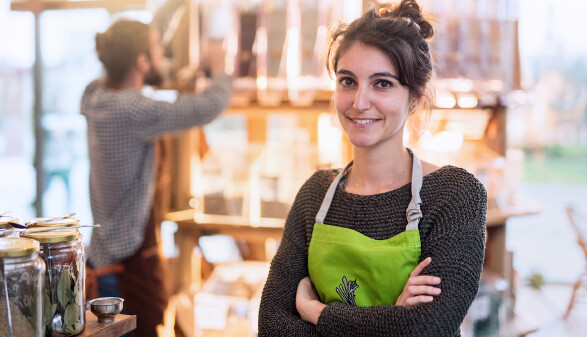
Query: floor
point(545, 244)
point(539, 313)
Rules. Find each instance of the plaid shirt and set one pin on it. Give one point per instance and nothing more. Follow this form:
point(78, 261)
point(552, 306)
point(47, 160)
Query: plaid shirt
point(123, 127)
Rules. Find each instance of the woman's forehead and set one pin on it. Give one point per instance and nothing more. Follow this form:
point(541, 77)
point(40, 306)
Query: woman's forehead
point(365, 58)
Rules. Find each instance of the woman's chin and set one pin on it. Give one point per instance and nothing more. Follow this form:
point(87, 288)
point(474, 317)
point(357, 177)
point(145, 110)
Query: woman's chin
point(362, 142)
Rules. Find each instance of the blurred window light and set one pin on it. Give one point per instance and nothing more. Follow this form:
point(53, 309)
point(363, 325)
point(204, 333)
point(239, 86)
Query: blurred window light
point(262, 82)
point(460, 84)
point(467, 101)
point(445, 99)
point(448, 141)
point(17, 49)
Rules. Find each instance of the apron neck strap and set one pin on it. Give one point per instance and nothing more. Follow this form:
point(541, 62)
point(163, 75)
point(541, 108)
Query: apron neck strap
point(413, 212)
point(329, 195)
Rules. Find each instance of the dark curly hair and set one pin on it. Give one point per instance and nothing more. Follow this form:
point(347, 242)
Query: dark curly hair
point(401, 33)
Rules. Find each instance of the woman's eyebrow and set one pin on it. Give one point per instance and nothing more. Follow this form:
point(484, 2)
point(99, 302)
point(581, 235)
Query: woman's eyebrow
point(374, 75)
point(345, 72)
point(384, 74)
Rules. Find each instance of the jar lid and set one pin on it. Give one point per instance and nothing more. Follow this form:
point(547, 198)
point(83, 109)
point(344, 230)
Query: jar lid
point(49, 221)
point(15, 247)
point(5, 219)
point(60, 235)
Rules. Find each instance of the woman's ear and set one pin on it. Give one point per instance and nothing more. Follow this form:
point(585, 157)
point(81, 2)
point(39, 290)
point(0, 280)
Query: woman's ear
point(414, 103)
point(143, 63)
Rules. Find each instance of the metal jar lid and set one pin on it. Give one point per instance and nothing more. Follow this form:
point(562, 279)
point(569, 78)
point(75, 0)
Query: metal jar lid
point(61, 235)
point(16, 247)
point(5, 228)
point(48, 221)
point(5, 219)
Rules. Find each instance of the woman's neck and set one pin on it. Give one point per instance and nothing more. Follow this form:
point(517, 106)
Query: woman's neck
point(374, 173)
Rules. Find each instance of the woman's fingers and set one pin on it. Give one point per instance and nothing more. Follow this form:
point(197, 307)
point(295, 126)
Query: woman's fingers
point(419, 288)
point(422, 290)
point(418, 299)
point(421, 266)
point(424, 279)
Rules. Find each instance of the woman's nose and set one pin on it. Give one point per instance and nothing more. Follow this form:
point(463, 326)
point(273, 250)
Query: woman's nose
point(362, 101)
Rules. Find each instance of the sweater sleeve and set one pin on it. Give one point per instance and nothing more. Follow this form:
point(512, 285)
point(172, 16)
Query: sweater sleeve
point(278, 315)
point(152, 118)
point(456, 244)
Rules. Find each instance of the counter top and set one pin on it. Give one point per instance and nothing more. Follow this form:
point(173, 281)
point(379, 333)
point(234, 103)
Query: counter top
point(121, 325)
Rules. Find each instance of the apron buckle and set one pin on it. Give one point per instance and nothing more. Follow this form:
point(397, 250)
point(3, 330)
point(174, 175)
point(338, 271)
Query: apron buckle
point(413, 214)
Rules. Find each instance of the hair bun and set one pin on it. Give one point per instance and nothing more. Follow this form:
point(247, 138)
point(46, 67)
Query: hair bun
point(411, 11)
point(426, 29)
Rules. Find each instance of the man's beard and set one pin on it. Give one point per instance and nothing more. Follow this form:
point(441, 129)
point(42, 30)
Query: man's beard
point(153, 77)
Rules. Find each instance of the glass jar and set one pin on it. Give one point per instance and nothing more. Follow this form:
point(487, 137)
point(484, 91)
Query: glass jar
point(64, 309)
point(21, 301)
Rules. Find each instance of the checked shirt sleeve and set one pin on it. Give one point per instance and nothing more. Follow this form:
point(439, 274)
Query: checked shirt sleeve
point(152, 118)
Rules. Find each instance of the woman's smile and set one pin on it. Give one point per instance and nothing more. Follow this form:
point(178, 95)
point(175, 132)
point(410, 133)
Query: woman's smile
point(363, 121)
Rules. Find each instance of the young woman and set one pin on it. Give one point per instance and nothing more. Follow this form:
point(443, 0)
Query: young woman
point(389, 245)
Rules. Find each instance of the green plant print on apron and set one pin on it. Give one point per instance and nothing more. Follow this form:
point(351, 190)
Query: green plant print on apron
point(349, 267)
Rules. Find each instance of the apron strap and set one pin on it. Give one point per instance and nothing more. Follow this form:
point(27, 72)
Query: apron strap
point(329, 195)
point(413, 213)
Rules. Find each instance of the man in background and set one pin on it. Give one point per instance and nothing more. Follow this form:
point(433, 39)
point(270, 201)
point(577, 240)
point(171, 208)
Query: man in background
point(123, 129)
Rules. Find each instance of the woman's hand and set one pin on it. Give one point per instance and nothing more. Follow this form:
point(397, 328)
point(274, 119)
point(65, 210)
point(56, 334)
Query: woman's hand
point(307, 301)
point(419, 289)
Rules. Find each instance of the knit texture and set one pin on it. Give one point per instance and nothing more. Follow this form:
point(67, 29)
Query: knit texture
point(452, 231)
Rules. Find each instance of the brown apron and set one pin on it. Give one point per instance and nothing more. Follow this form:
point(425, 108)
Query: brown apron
point(142, 278)
point(143, 283)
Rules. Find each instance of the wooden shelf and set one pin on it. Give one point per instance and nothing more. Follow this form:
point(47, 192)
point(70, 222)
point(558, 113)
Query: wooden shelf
point(499, 215)
point(40, 5)
point(229, 225)
point(255, 109)
point(121, 325)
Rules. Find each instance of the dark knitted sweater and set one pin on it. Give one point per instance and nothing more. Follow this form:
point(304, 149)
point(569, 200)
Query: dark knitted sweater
point(452, 232)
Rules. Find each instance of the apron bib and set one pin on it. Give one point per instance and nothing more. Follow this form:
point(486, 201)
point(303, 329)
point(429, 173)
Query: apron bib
point(349, 267)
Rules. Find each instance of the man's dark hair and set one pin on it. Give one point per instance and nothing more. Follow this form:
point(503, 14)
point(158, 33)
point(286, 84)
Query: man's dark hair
point(120, 45)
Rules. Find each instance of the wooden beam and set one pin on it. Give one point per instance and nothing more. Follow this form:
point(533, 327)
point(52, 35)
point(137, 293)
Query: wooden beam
point(40, 5)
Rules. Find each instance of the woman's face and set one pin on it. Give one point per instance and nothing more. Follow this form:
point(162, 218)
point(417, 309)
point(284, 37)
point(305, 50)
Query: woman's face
point(371, 103)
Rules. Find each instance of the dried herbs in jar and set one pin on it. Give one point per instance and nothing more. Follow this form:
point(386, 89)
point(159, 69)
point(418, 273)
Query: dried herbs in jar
point(64, 296)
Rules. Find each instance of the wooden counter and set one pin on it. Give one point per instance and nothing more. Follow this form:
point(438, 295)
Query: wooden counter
point(121, 325)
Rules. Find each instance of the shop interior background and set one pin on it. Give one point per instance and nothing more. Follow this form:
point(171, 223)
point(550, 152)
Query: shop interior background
point(546, 129)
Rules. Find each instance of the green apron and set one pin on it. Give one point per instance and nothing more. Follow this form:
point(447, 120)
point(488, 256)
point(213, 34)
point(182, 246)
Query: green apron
point(349, 267)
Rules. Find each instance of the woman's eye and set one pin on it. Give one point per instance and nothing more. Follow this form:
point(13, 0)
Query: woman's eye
point(346, 82)
point(384, 84)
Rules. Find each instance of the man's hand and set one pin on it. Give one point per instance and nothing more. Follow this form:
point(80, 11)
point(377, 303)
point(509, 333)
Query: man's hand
point(217, 57)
